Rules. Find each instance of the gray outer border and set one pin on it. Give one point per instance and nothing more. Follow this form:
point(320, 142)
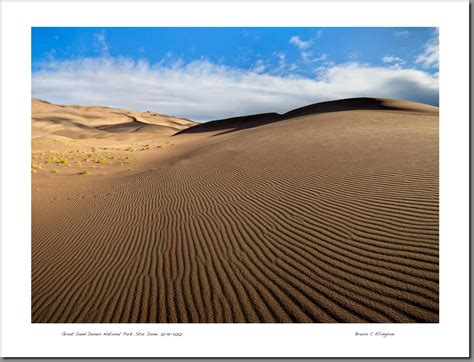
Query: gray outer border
point(471, 218)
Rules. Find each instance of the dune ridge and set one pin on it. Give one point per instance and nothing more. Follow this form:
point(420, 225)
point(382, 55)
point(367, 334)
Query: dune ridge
point(322, 217)
point(79, 122)
point(342, 105)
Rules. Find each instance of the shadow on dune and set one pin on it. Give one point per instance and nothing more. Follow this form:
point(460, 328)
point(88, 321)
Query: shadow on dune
point(233, 124)
point(133, 126)
point(64, 122)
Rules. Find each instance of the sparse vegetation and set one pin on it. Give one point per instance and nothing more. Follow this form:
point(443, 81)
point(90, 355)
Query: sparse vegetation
point(77, 160)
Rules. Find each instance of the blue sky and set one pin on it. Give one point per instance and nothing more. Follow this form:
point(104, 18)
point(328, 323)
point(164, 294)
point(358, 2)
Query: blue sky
point(208, 73)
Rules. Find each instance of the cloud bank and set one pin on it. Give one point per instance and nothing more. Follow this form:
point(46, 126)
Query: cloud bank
point(201, 90)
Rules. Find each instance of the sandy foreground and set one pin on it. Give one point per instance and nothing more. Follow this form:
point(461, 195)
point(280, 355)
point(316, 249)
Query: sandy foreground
point(326, 214)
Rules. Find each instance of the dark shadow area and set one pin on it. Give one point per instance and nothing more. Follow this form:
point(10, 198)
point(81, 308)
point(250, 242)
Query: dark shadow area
point(233, 124)
point(64, 122)
point(133, 126)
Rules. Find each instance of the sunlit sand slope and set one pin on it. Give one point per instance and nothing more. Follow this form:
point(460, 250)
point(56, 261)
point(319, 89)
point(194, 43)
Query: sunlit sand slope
point(322, 217)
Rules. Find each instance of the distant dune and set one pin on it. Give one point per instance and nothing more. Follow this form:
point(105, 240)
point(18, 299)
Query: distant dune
point(328, 213)
point(79, 122)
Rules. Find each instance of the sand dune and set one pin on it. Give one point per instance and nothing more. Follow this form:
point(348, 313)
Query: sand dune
point(79, 122)
point(326, 214)
point(256, 120)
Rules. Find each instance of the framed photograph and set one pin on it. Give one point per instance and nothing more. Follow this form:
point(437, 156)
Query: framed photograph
point(203, 179)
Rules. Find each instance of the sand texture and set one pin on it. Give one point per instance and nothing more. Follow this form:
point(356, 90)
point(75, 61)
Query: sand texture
point(328, 213)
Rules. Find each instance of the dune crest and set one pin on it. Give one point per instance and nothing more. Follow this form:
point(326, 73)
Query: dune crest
point(342, 105)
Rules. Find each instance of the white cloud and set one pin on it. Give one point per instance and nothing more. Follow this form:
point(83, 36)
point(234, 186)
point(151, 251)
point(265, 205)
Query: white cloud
point(430, 55)
point(306, 56)
point(100, 43)
point(392, 59)
point(322, 57)
point(299, 43)
point(283, 66)
point(303, 45)
point(201, 90)
point(309, 57)
point(259, 66)
point(280, 55)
